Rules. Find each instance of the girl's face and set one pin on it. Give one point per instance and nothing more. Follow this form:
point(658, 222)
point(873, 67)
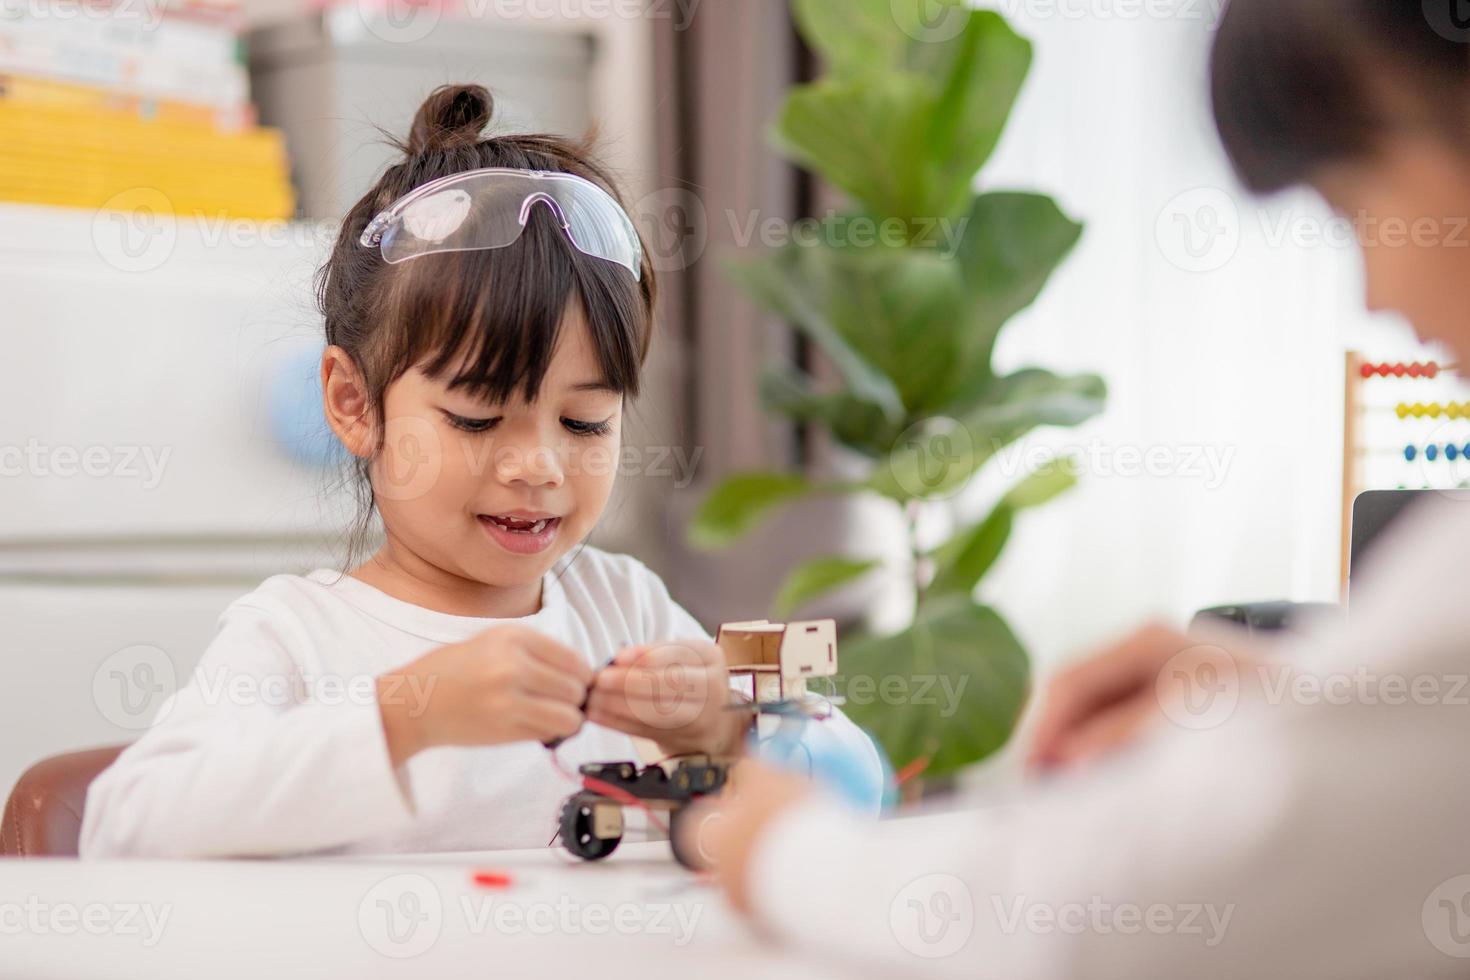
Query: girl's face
point(496, 493)
point(1411, 206)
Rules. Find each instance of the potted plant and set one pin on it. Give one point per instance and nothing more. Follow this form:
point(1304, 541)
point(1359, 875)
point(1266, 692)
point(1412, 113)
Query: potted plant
point(906, 316)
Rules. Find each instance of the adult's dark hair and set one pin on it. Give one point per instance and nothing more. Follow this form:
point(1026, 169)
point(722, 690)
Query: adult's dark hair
point(1301, 84)
point(484, 321)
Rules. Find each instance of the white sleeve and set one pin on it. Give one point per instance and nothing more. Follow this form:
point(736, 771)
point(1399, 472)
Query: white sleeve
point(1316, 830)
point(241, 762)
point(832, 737)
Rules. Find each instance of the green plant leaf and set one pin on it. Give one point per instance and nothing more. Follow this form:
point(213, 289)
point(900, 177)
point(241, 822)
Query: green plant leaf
point(938, 457)
point(738, 504)
point(962, 562)
point(856, 423)
point(955, 685)
point(865, 136)
point(1049, 481)
point(815, 577)
point(902, 309)
point(854, 37)
point(1012, 243)
point(784, 283)
point(984, 68)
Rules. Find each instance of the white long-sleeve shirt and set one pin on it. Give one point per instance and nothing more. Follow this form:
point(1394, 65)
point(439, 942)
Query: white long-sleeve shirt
point(1317, 829)
point(276, 744)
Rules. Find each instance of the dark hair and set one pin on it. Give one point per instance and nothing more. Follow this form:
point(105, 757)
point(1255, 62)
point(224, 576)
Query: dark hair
point(1301, 84)
point(485, 321)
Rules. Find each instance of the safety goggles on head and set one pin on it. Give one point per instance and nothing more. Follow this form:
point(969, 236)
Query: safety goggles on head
point(482, 209)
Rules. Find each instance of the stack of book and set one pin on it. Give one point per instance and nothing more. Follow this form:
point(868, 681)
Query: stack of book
point(99, 98)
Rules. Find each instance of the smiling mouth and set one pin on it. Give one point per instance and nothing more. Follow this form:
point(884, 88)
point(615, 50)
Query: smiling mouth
point(516, 525)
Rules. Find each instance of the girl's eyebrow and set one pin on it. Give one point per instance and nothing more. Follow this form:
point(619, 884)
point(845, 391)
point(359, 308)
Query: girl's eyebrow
point(596, 386)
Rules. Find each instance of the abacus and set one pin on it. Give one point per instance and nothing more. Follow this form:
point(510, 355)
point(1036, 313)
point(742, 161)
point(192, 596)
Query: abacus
point(1406, 425)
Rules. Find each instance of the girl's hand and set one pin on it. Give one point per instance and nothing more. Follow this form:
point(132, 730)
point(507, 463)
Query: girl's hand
point(509, 684)
point(673, 693)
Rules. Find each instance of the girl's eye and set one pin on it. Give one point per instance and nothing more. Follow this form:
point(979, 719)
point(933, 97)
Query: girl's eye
point(470, 425)
point(578, 427)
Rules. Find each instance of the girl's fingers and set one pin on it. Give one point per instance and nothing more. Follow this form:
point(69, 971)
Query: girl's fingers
point(542, 680)
point(543, 720)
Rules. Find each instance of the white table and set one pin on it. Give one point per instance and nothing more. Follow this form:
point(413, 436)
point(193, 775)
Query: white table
point(635, 915)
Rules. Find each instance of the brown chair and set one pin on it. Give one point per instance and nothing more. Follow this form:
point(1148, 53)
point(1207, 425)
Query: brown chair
point(43, 817)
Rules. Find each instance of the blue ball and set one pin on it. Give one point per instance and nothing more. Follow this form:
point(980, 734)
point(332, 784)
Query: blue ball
point(294, 397)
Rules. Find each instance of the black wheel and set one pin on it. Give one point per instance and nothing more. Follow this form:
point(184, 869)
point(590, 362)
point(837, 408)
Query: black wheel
point(576, 831)
point(688, 856)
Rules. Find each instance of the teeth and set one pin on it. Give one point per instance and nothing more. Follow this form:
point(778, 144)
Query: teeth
point(517, 526)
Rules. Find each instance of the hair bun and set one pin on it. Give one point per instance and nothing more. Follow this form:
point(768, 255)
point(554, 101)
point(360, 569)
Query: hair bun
point(452, 115)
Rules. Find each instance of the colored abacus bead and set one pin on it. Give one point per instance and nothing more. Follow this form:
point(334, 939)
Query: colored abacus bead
point(1402, 411)
point(1431, 369)
point(1451, 451)
point(1433, 409)
point(1409, 453)
point(1431, 452)
point(1414, 370)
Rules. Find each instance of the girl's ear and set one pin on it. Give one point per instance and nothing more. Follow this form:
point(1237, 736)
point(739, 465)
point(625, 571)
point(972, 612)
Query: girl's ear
point(345, 402)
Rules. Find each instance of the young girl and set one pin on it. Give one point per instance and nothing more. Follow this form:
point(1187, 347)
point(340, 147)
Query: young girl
point(488, 309)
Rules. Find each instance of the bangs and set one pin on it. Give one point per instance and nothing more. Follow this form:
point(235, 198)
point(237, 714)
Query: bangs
point(1301, 84)
point(487, 321)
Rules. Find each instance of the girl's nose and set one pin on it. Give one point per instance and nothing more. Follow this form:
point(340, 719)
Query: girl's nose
point(535, 465)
